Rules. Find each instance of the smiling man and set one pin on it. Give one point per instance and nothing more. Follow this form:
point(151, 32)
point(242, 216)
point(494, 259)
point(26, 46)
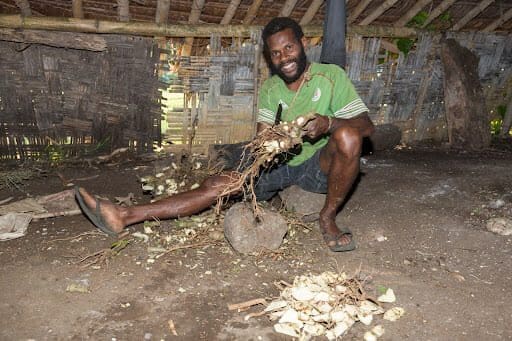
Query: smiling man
point(327, 162)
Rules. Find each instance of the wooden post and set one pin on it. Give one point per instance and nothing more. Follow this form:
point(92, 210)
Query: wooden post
point(78, 10)
point(471, 14)
point(123, 10)
point(377, 12)
point(287, 8)
point(162, 11)
point(310, 13)
point(498, 22)
point(24, 7)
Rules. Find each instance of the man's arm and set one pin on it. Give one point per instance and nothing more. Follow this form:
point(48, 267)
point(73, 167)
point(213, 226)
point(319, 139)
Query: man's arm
point(325, 125)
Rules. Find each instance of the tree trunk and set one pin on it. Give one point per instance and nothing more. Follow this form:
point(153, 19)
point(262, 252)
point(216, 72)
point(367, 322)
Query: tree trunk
point(466, 114)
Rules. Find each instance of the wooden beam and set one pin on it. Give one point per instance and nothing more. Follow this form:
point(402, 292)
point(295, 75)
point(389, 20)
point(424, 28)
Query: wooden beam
point(411, 13)
point(195, 14)
point(251, 12)
point(78, 9)
point(310, 13)
point(162, 11)
point(230, 12)
point(123, 10)
point(495, 24)
point(377, 12)
point(287, 8)
point(361, 6)
point(181, 30)
point(71, 40)
point(24, 7)
point(471, 14)
point(443, 6)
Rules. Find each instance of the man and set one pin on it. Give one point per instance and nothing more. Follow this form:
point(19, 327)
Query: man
point(327, 162)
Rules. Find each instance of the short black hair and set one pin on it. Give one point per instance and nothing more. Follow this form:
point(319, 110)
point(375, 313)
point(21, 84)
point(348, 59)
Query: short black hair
point(277, 25)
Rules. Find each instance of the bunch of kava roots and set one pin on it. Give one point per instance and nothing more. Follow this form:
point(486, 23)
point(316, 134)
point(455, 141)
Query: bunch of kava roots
point(263, 150)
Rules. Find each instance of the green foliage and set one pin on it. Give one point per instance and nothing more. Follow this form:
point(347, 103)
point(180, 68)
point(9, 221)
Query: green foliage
point(418, 20)
point(445, 17)
point(405, 45)
point(497, 122)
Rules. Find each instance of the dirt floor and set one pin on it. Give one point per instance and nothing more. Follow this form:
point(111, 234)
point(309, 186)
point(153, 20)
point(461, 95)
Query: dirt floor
point(418, 215)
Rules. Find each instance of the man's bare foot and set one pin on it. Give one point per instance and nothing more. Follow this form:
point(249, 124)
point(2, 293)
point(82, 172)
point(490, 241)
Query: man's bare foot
point(105, 215)
point(337, 240)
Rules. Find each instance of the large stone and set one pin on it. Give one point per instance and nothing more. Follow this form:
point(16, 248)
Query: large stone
point(305, 204)
point(385, 137)
point(246, 234)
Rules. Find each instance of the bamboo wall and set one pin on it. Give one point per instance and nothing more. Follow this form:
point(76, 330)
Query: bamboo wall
point(74, 100)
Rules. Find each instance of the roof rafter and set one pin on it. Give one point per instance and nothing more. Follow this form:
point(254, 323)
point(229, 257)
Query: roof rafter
point(377, 12)
point(358, 10)
point(123, 10)
point(195, 14)
point(78, 9)
point(471, 14)
point(162, 11)
point(287, 8)
point(230, 12)
point(24, 7)
point(411, 13)
point(438, 11)
point(251, 12)
point(498, 22)
point(311, 11)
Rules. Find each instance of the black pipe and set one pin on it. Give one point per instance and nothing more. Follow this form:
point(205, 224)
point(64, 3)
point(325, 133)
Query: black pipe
point(335, 22)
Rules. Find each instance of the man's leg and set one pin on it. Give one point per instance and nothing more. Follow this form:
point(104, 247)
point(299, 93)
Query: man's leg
point(340, 160)
point(179, 205)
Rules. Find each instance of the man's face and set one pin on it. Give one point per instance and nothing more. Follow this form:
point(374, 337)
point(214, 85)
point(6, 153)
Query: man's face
point(287, 55)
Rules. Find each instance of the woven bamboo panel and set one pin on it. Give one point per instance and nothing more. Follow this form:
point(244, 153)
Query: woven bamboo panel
point(54, 95)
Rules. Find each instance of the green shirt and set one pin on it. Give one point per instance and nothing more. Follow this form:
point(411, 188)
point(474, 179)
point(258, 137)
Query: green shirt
point(327, 91)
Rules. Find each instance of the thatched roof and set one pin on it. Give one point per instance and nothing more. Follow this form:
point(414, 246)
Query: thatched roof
point(486, 15)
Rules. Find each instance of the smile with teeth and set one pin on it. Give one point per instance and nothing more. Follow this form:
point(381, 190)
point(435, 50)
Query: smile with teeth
point(289, 67)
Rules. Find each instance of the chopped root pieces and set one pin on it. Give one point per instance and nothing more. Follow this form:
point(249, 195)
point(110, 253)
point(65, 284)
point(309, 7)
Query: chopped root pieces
point(262, 153)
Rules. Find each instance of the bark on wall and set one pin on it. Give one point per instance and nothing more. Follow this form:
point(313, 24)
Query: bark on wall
point(468, 122)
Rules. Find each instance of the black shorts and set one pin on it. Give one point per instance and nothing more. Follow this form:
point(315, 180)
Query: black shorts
point(307, 176)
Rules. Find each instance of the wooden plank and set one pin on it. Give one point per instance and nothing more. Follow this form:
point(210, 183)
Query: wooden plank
point(78, 9)
point(311, 12)
point(471, 14)
point(184, 30)
point(438, 11)
point(411, 13)
point(79, 41)
point(498, 22)
point(377, 12)
point(162, 11)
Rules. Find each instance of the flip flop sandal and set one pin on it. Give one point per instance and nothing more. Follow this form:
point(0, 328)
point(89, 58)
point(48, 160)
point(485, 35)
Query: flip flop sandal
point(336, 237)
point(94, 217)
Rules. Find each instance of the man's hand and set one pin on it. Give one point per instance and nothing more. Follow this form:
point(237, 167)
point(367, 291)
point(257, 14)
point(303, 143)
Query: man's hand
point(318, 126)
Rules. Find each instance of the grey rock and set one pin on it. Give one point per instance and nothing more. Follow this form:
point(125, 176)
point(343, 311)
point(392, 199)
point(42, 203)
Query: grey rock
point(247, 235)
point(305, 204)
